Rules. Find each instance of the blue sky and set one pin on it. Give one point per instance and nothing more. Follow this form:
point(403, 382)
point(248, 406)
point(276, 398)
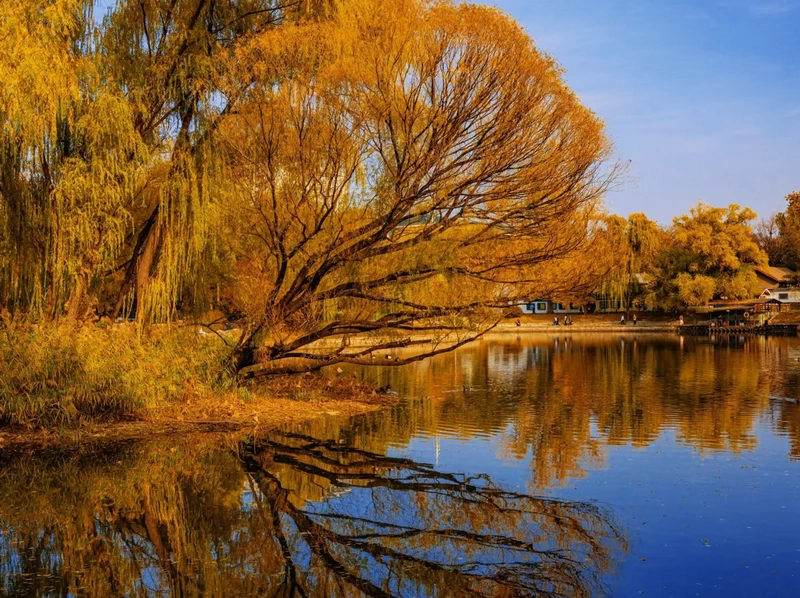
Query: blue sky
point(702, 96)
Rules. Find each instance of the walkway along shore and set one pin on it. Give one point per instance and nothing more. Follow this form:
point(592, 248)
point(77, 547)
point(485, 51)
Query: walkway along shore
point(765, 330)
point(592, 326)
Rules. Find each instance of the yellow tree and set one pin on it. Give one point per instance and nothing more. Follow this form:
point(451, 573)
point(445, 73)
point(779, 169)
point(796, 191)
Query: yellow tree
point(632, 246)
point(420, 164)
point(177, 62)
point(106, 158)
point(710, 252)
point(43, 68)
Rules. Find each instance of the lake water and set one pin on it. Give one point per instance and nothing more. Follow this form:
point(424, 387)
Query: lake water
point(561, 465)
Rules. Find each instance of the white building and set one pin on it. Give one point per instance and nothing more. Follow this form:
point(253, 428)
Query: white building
point(788, 298)
point(543, 306)
point(539, 306)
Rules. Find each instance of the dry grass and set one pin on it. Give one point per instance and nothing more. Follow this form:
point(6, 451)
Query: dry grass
point(57, 379)
point(51, 376)
point(281, 401)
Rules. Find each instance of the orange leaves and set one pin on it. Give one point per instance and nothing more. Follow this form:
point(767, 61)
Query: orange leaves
point(413, 160)
point(356, 149)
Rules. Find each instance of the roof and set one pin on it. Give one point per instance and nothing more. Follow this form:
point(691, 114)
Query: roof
point(723, 305)
point(775, 273)
point(771, 293)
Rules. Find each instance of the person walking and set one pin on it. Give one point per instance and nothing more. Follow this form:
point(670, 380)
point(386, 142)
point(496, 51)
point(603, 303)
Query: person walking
point(622, 320)
point(634, 319)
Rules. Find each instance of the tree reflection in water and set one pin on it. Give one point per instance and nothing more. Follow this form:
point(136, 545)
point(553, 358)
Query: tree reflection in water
point(561, 402)
point(284, 515)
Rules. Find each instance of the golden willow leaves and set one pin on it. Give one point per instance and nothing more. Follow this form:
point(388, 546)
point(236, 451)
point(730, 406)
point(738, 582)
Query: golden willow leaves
point(336, 167)
point(39, 66)
point(421, 144)
point(177, 63)
point(91, 201)
point(43, 72)
point(710, 252)
point(105, 174)
point(631, 247)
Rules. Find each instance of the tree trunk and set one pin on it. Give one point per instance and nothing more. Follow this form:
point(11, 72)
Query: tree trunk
point(244, 354)
point(76, 298)
point(144, 271)
point(145, 243)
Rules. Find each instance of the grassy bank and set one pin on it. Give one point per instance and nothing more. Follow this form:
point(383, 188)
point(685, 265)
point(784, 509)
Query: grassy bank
point(66, 378)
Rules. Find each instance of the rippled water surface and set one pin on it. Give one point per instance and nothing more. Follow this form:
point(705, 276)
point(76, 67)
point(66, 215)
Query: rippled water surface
point(693, 444)
point(519, 465)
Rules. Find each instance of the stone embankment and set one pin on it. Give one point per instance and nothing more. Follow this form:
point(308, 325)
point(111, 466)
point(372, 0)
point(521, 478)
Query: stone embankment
point(588, 326)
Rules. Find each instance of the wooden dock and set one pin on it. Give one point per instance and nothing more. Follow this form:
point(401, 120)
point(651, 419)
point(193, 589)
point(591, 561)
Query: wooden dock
point(765, 330)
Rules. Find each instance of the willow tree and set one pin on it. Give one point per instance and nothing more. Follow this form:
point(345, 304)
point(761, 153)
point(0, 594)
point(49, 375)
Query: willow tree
point(105, 156)
point(418, 167)
point(72, 159)
point(632, 246)
point(43, 70)
point(176, 62)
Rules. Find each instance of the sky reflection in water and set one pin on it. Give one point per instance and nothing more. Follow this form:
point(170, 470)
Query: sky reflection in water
point(692, 443)
point(662, 467)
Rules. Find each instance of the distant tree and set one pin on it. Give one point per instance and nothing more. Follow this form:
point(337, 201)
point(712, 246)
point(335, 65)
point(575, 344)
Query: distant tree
point(633, 244)
point(695, 289)
point(779, 236)
point(768, 235)
point(709, 245)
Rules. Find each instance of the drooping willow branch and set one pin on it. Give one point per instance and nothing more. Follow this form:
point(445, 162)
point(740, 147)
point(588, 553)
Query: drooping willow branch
point(283, 515)
point(426, 527)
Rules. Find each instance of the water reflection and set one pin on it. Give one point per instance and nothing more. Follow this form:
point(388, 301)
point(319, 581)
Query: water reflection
point(562, 401)
point(284, 515)
point(327, 513)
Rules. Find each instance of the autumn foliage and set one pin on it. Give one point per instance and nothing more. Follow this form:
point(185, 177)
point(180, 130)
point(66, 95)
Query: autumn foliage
point(315, 169)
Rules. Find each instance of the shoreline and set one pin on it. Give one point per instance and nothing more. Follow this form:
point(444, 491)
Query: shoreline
point(287, 401)
point(542, 328)
point(287, 405)
point(507, 329)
